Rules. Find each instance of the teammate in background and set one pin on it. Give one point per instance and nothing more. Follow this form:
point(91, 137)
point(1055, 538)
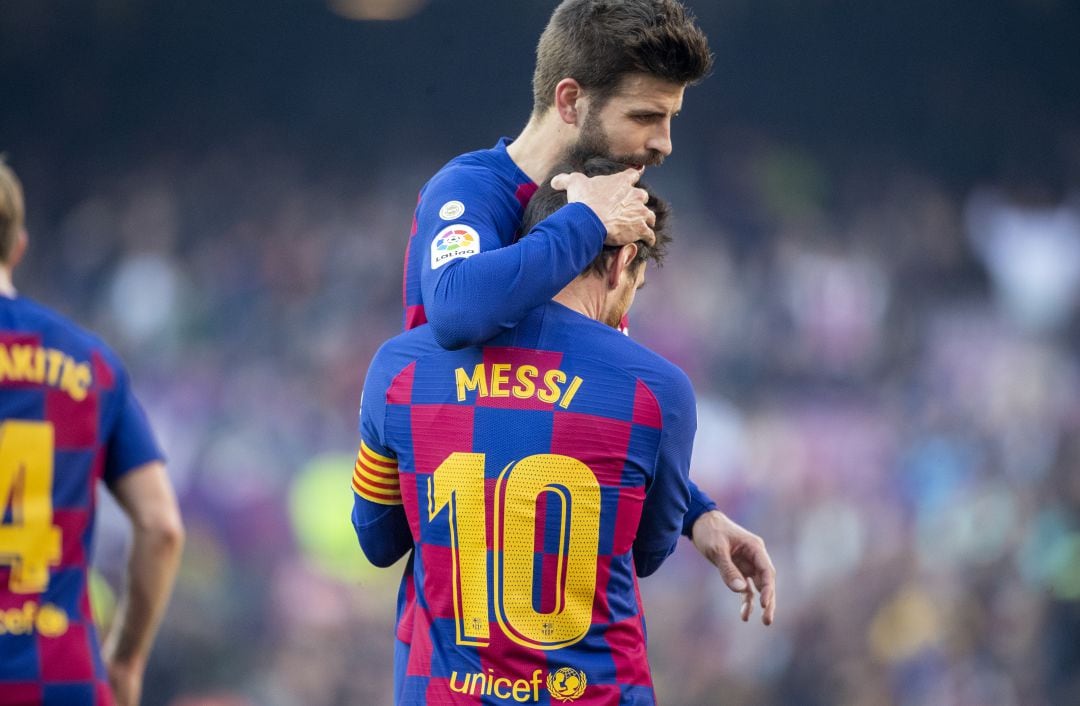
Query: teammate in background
point(67, 418)
point(608, 81)
point(534, 475)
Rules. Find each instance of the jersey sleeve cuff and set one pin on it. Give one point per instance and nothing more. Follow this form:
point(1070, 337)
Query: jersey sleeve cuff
point(133, 459)
point(698, 507)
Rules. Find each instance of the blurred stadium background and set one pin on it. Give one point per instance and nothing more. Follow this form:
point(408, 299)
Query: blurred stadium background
point(874, 286)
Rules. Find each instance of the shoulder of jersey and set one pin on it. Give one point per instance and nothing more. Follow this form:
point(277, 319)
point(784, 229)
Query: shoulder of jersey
point(53, 322)
point(649, 363)
point(481, 165)
point(481, 158)
point(412, 344)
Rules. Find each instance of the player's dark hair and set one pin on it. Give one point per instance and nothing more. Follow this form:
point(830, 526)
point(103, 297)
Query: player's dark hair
point(597, 42)
point(547, 201)
point(11, 209)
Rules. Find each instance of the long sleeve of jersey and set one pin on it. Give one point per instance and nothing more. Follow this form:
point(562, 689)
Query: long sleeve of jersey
point(668, 496)
point(700, 503)
point(378, 515)
point(475, 280)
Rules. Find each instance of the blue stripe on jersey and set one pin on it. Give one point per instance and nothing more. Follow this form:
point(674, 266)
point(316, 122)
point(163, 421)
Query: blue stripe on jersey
point(70, 489)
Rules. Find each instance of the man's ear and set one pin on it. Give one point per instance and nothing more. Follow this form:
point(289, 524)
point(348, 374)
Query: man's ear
point(18, 249)
point(620, 263)
point(570, 101)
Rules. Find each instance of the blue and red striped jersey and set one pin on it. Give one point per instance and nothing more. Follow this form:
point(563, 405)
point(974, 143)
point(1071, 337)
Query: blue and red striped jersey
point(536, 477)
point(67, 419)
point(462, 278)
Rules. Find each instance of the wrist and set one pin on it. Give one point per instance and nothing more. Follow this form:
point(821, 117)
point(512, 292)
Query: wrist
point(694, 513)
point(711, 516)
point(129, 664)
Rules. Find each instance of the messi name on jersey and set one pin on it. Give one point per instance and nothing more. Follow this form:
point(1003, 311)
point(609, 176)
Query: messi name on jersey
point(520, 381)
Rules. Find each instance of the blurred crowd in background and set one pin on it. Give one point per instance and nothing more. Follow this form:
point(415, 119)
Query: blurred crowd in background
point(885, 347)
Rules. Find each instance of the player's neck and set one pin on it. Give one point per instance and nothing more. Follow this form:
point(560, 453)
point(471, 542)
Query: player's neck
point(7, 288)
point(540, 146)
point(583, 297)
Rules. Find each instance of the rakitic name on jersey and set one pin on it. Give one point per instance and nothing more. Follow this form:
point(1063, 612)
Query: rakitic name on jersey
point(44, 366)
point(521, 381)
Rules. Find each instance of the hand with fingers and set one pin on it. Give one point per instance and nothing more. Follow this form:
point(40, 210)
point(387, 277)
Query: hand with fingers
point(616, 201)
point(742, 559)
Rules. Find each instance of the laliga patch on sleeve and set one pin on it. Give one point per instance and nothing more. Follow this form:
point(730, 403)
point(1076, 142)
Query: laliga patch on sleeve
point(453, 242)
point(452, 210)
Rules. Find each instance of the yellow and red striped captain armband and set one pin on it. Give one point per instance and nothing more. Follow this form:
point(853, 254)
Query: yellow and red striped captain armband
point(375, 477)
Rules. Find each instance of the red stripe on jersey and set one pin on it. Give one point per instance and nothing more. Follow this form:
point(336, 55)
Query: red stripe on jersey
point(415, 316)
point(72, 524)
point(420, 636)
point(376, 468)
point(375, 476)
point(21, 694)
point(439, 430)
point(103, 694)
point(601, 606)
point(598, 442)
point(75, 423)
point(66, 657)
point(627, 519)
point(626, 639)
point(19, 338)
point(516, 357)
point(646, 408)
point(376, 486)
point(375, 465)
point(510, 659)
point(438, 585)
point(373, 493)
point(9, 600)
point(519, 378)
point(400, 391)
point(10, 340)
point(525, 193)
point(104, 379)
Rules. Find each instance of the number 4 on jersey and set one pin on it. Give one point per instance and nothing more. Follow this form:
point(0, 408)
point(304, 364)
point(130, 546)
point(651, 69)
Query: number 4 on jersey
point(29, 542)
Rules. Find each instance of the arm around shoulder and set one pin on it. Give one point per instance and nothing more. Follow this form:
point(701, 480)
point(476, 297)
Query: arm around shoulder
point(475, 279)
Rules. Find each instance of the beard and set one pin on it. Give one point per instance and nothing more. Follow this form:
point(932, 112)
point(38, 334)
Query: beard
point(594, 142)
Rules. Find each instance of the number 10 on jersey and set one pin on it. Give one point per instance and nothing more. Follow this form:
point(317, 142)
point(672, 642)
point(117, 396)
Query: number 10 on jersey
point(458, 484)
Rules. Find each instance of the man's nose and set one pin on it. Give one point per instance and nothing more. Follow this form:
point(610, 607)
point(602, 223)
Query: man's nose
point(660, 140)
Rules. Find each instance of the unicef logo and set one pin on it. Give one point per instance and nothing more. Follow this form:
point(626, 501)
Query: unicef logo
point(566, 684)
point(452, 240)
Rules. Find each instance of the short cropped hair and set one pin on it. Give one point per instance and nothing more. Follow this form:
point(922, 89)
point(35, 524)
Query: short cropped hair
point(12, 209)
point(547, 201)
point(597, 42)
